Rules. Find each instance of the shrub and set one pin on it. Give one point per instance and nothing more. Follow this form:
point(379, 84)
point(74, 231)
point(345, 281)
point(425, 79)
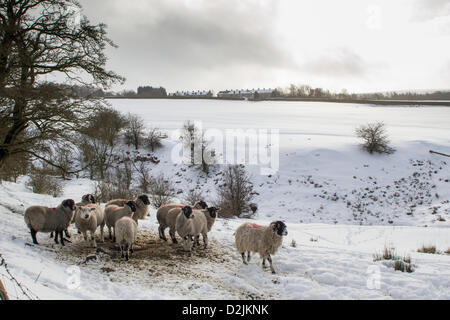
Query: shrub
point(116, 185)
point(42, 183)
point(375, 138)
point(144, 177)
point(193, 196)
point(236, 192)
point(14, 167)
point(161, 191)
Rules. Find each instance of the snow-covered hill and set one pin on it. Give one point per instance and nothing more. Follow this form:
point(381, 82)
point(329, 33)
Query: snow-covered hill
point(341, 207)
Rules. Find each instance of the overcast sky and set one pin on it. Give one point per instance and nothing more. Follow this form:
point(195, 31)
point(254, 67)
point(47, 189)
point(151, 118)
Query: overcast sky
point(377, 45)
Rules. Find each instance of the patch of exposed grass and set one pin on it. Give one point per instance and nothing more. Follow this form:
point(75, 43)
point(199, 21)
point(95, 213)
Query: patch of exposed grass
point(403, 264)
point(428, 249)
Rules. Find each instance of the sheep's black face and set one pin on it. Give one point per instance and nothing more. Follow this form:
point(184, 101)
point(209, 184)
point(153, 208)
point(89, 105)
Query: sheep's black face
point(144, 198)
point(187, 211)
point(212, 212)
point(280, 228)
point(203, 204)
point(92, 199)
point(132, 205)
point(69, 204)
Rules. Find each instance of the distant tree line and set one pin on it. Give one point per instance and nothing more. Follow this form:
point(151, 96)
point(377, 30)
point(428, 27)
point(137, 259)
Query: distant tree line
point(305, 91)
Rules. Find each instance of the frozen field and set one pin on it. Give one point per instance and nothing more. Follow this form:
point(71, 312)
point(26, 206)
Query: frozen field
point(341, 206)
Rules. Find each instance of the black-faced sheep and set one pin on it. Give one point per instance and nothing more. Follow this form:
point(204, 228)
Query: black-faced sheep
point(44, 219)
point(189, 224)
point(126, 232)
point(114, 213)
point(210, 215)
point(167, 216)
point(265, 240)
point(142, 206)
point(86, 199)
point(88, 218)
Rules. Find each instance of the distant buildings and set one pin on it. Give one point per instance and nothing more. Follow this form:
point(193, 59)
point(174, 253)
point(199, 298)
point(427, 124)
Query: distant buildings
point(247, 94)
point(199, 94)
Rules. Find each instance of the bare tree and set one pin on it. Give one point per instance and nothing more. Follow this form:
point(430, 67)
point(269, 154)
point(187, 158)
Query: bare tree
point(153, 140)
point(161, 191)
point(235, 192)
point(375, 138)
point(134, 131)
point(193, 139)
point(36, 40)
point(144, 177)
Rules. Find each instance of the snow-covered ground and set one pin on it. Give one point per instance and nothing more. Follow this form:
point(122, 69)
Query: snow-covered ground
point(341, 207)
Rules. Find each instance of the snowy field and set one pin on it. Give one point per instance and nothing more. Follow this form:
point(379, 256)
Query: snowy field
point(341, 206)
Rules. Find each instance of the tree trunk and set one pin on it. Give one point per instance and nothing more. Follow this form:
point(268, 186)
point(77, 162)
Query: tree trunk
point(3, 293)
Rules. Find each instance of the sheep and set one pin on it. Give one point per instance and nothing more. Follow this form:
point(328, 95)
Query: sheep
point(88, 218)
point(184, 226)
point(167, 216)
point(44, 219)
point(210, 215)
point(265, 240)
point(191, 223)
point(86, 199)
point(126, 231)
point(142, 206)
point(114, 213)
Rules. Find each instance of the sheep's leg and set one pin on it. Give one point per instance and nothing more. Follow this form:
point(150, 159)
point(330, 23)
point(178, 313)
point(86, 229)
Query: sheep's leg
point(110, 234)
point(249, 257)
point(56, 237)
point(85, 236)
point(172, 236)
point(61, 237)
point(243, 257)
point(162, 235)
point(33, 236)
point(102, 234)
point(51, 235)
point(93, 239)
point(205, 240)
point(271, 265)
point(122, 251)
point(114, 232)
point(131, 249)
point(264, 263)
point(195, 241)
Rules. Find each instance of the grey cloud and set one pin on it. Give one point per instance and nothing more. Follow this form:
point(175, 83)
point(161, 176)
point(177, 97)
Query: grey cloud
point(340, 62)
point(178, 39)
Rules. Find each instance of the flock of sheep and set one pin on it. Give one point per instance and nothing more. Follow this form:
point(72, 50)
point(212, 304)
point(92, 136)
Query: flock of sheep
point(121, 218)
